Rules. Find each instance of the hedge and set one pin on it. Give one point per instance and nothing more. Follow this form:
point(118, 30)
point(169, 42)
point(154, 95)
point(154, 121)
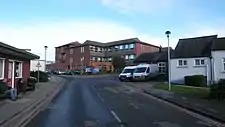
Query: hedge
point(43, 76)
point(196, 80)
point(217, 91)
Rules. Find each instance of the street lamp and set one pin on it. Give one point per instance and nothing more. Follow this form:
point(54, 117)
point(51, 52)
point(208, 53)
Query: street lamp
point(169, 68)
point(46, 47)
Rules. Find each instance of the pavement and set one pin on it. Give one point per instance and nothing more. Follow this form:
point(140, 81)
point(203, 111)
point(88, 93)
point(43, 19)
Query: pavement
point(213, 109)
point(106, 102)
point(14, 113)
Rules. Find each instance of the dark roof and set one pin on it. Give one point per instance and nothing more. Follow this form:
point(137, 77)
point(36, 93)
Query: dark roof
point(194, 47)
point(219, 44)
point(13, 51)
point(94, 43)
point(160, 56)
point(76, 43)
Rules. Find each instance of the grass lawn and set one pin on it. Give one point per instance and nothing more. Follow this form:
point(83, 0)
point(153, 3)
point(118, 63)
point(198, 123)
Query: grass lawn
point(186, 90)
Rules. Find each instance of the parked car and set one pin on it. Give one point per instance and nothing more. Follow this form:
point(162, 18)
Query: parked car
point(143, 72)
point(127, 73)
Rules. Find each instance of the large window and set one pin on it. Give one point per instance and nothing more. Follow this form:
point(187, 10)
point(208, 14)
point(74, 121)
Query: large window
point(182, 63)
point(2, 62)
point(121, 47)
point(131, 46)
point(162, 67)
point(199, 62)
point(19, 69)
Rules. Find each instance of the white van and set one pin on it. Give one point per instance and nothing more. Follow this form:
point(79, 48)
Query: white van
point(144, 71)
point(127, 73)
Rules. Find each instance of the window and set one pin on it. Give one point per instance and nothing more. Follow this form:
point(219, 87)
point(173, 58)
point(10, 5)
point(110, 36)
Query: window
point(223, 64)
point(182, 63)
point(71, 51)
point(2, 63)
point(82, 50)
point(19, 69)
point(99, 49)
point(103, 59)
point(109, 49)
point(126, 57)
point(199, 62)
point(71, 59)
point(121, 47)
point(116, 47)
point(99, 59)
point(109, 59)
point(162, 67)
point(131, 57)
point(126, 46)
point(131, 46)
point(148, 70)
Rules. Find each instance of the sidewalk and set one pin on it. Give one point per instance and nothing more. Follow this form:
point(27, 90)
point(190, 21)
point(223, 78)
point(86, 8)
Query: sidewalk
point(11, 109)
point(210, 108)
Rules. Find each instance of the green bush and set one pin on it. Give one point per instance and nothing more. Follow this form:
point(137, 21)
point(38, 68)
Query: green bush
point(217, 91)
point(43, 76)
point(196, 80)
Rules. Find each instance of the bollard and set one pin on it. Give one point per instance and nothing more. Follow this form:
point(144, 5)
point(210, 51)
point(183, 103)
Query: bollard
point(13, 93)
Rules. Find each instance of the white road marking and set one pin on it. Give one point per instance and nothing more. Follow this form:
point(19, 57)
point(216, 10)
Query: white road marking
point(116, 117)
point(203, 118)
point(99, 96)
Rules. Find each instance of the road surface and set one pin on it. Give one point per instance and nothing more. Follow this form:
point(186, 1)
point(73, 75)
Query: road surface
point(104, 102)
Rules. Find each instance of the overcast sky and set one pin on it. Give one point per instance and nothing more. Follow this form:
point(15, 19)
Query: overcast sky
point(35, 23)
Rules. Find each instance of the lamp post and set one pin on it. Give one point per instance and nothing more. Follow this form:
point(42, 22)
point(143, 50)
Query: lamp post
point(82, 59)
point(169, 68)
point(46, 47)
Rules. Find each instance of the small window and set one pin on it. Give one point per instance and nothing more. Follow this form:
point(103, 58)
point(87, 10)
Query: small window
point(19, 69)
point(162, 67)
point(99, 59)
point(109, 59)
point(126, 46)
point(223, 64)
point(116, 47)
point(2, 62)
point(182, 63)
point(126, 57)
point(148, 70)
point(131, 57)
point(109, 49)
point(71, 51)
point(82, 49)
point(199, 62)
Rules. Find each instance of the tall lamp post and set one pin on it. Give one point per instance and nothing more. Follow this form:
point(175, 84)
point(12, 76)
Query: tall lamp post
point(46, 47)
point(169, 64)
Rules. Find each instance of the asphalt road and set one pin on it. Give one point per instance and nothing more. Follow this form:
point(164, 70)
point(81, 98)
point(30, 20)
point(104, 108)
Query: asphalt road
point(104, 102)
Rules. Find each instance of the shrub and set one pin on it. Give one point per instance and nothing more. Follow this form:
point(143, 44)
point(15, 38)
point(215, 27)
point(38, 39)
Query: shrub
point(217, 91)
point(196, 80)
point(43, 76)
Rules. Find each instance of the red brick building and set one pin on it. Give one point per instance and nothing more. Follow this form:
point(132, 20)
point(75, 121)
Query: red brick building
point(14, 63)
point(96, 54)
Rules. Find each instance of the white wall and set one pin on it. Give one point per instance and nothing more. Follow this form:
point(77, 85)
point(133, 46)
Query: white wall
point(178, 73)
point(33, 64)
point(218, 66)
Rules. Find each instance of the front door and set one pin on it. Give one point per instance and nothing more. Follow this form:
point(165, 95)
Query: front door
point(11, 74)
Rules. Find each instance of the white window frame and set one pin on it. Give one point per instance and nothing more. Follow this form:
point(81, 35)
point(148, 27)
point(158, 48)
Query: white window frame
point(162, 66)
point(200, 62)
point(182, 65)
point(3, 68)
point(21, 73)
point(82, 49)
point(223, 64)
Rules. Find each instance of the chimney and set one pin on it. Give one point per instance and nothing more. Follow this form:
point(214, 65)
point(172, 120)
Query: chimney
point(160, 48)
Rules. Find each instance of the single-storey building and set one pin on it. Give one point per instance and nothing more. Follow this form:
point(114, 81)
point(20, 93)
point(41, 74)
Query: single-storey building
point(14, 63)
point(160, 57)
point(199, 56)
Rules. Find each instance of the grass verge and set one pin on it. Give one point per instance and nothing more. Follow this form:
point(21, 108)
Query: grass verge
point(186, 90)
